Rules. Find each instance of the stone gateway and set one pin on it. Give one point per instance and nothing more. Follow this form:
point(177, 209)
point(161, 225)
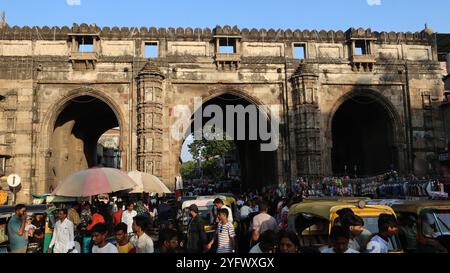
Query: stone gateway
point(354, 101)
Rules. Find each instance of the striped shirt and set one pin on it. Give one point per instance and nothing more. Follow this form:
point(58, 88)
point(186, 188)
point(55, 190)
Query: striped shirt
point(224, 234)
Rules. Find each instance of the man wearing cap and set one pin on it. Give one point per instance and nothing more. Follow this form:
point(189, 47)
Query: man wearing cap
point(196, 236)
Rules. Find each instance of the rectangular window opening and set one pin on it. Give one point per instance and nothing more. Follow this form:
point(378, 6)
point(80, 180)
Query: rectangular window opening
point(86, 48)
point(361, 48)
point(426, 100)
point(299, 51)
point(85, 44)
point(227, 46)
point(151, 50)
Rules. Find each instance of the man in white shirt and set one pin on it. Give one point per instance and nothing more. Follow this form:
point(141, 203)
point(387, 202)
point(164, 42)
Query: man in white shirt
point(254, 206)
point(128, 215)
point(240, 202)
point(219, 205)
point(359, 236)
point(263, 222)
point(339, 237)
point(141, 241)
point(99, 233)
point(63, 237)
point(387, 227)
point(244, 211)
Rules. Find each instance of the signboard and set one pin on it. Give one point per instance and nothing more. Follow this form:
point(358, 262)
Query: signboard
point(14, 180)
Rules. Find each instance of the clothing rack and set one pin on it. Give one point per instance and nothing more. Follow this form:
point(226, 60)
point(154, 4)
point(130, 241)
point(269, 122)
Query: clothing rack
point(384, 185)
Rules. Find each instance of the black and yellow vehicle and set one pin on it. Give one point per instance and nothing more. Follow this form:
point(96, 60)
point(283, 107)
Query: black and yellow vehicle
point(207, 211)
point(424, 225)
point(312, 221)
point(205, 207)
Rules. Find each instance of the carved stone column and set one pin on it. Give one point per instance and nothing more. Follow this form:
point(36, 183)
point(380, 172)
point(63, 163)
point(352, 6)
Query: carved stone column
point(149, 119)
point(307, 120)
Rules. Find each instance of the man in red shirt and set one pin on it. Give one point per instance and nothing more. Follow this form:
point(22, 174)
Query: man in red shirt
point(117, 216)
point(96, 218)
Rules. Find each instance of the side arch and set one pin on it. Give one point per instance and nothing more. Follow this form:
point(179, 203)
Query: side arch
point(52, 117)
point(377, 113)
point(55, 110)
point(373, 94)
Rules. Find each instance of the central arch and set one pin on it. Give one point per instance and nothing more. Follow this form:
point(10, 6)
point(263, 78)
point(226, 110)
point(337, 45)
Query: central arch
point(256, 168)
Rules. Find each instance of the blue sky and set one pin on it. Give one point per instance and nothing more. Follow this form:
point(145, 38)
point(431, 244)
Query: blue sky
point(388, 15)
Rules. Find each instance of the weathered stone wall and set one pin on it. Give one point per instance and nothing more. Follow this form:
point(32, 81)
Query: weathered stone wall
point(40, 72)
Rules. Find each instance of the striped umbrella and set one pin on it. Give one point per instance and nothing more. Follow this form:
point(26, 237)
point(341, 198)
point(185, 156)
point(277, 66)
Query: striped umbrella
point(94, 181)
point(147, 183)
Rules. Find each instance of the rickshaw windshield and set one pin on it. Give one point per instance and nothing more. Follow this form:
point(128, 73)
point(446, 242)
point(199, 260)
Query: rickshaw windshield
point(203, 212)
point(436, 223)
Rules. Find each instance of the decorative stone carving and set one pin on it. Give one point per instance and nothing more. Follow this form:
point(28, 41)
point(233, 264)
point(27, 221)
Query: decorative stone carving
point(149, 132)
point(307, 120)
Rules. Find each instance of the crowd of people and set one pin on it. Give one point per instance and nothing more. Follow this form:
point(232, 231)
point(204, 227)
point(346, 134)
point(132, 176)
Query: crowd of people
point(90, 228)
point(133, 225)
point(153, 225)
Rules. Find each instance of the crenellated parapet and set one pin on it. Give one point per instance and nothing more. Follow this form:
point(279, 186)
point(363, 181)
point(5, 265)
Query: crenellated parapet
point(196, 34)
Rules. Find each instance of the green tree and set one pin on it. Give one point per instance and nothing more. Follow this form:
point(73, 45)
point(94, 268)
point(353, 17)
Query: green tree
point(209, 149)
point(212, 169)
point(188, 170)
point(204, 149)
point(209, 152)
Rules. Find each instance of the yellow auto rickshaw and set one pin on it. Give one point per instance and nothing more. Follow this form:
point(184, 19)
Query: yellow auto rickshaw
point(424, 225)
point(312, 221)
point(207, 211)
point(205, 207)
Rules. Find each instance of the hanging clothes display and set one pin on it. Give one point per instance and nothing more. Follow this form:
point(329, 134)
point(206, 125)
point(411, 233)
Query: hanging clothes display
point(388, 185)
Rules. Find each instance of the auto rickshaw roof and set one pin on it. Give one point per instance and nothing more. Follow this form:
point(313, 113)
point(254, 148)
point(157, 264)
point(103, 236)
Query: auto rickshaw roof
point(211, 197)
point(228, 196)
point(413, 206)
point(335, 198)
point(324, 209)
point(207, 202)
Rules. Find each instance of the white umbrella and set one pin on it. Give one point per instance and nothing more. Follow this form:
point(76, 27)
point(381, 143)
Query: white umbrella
point(147, 183)
point(94, 181)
